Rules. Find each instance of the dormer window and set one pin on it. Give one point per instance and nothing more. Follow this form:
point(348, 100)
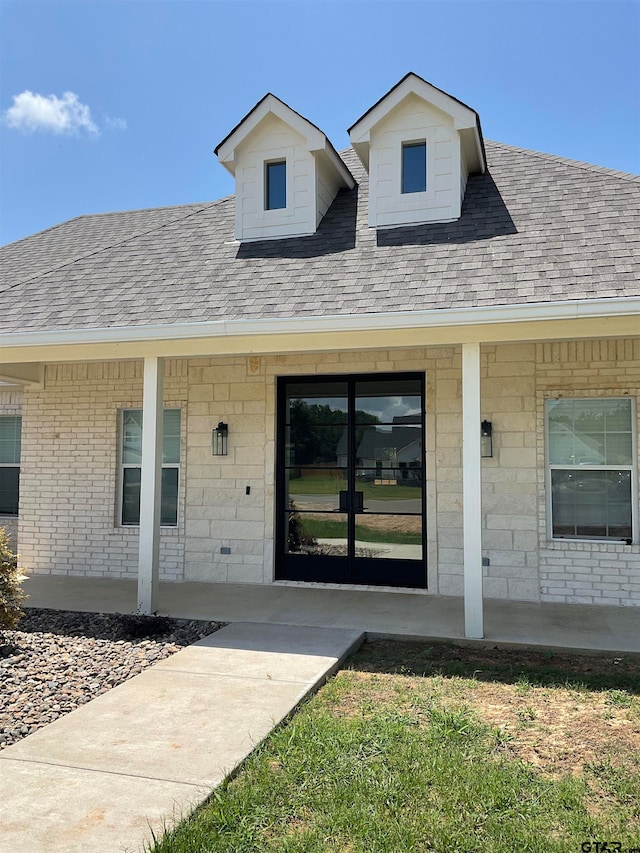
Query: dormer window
point(287, 172)
point(419, 145)
point(414, 167)
point(275, 185)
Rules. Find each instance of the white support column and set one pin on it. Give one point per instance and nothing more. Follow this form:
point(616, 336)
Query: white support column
point(150, 485)
point(472, 492)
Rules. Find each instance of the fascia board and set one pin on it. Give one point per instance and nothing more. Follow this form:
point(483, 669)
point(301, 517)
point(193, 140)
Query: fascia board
point(314, 137)
point(480, 150)
point(362, 150)
point(434, 318)
point(328, 151)
point(247, 126)
point(461, 115)
point(229, 163)
point(477, 147)
point(270, 105)
point(360, 136)
point(465, 124)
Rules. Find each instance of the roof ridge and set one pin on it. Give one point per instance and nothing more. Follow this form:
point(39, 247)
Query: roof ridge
point(128, 239)
point(568, 161)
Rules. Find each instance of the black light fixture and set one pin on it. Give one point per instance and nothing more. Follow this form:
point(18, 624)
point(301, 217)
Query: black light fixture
point(219, 439)
point(486, 439)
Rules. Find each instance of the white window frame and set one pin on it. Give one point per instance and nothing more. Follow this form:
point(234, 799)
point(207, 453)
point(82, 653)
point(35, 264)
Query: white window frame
point(17, 464)
point(122, 465)
point(632, 468)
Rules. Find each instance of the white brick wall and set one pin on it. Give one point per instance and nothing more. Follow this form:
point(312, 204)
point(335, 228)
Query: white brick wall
point(586, 572)
point(70, 452)
point(522, 563)
point(69, 472)
point(10, 404)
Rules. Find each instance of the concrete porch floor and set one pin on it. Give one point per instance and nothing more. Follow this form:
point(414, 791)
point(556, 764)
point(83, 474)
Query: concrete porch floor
point(378, 613)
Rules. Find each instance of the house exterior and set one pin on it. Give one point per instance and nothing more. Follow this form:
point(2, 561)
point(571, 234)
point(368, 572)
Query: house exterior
point(288, 385)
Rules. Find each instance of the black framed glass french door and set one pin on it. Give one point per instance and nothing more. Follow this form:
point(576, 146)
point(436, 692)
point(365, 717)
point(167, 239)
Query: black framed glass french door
point(350, 480)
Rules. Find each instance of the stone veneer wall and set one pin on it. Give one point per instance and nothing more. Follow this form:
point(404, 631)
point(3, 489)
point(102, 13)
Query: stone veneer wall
point(70, 449)
point(68, 500)
point(242, 391)
point(10, 404)
point(586, 572)
point(509, 490)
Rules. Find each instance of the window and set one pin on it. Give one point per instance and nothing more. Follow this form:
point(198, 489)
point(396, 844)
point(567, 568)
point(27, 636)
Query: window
point(10, 429)
point(414, 167)
point(131, 459)
point(275, 196)
point(590, 470)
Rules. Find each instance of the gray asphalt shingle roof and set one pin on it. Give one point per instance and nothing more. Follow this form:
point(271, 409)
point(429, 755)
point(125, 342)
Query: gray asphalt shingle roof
point(534, 228)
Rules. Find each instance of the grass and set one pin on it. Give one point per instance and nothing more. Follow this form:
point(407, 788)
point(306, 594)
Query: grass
point(443, 750)
point(331, 486)
point(320, 529)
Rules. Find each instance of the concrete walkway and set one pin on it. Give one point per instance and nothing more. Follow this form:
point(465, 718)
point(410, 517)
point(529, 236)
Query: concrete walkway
point(104, 777)
point(377, 612)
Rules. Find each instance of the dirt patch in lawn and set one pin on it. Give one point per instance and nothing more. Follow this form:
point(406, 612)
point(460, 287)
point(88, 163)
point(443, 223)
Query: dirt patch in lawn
point(558, 730)
point(560, 713)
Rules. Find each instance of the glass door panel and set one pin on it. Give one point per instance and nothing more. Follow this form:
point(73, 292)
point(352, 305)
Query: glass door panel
point(350, 479)
point(389, 537)
point(315, 489)
point(317, 533)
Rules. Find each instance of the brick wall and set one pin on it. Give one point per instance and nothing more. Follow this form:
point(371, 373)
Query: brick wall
point(242, 392)
point(10, 404)
point(69, 472)
point(586, 572)
point(509, 477)
point(70, 450)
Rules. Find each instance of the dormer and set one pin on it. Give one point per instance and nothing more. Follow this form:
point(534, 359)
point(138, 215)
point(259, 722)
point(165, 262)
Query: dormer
point(287, 172)
point(418, 145)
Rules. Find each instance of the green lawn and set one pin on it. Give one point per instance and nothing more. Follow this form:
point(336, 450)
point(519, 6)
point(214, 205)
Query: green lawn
point(320, 529)
point(331, 486)
point(440, 749)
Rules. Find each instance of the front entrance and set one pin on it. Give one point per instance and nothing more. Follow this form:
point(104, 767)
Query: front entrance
point(350, 480)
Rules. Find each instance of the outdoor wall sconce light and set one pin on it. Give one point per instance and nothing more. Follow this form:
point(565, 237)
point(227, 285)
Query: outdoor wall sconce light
point(486, 439)
point(219, 439)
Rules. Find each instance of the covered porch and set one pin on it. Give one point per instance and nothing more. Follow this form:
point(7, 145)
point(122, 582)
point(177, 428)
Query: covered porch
point(398, 615)
point(494, 573)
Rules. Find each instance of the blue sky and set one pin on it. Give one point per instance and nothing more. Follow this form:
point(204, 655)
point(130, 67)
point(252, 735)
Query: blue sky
point(151, 87)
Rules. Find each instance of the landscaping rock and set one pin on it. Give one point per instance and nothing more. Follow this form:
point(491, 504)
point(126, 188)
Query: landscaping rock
point(59, 660)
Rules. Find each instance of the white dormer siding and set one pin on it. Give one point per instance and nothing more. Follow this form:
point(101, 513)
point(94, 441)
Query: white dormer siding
point(328, 184)
point(416, 113)
point(314, 173)
point(274, 141)
point(414, 121)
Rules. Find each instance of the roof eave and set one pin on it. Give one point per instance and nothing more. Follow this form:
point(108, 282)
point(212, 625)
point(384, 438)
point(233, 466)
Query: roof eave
point(575, 309)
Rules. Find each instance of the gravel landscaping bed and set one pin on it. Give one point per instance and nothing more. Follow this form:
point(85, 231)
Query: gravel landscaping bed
point(59, 660)
point(326, 550)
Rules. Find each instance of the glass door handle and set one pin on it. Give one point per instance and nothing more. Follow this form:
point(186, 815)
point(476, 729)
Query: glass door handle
point(358, 503)
point(344, 502)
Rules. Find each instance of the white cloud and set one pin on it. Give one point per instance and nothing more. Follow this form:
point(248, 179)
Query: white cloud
point(114, 123)
point(32, 112)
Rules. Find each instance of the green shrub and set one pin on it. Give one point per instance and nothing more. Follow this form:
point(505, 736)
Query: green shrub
point(11, 594)
point(297, 536)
